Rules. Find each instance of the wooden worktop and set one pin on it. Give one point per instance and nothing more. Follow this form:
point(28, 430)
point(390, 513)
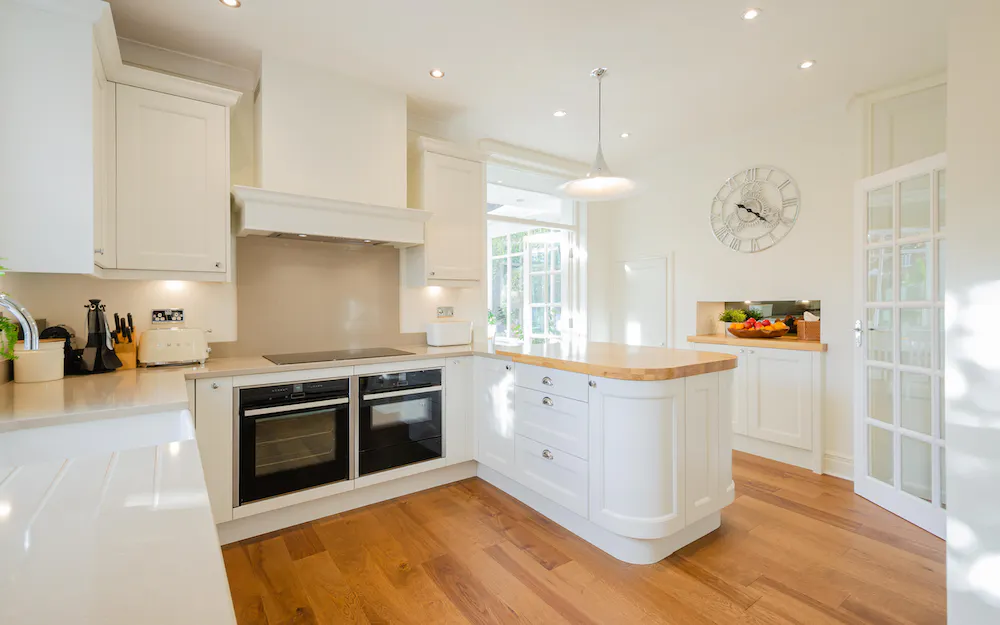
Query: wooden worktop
point(619, 362)
point(782, 342)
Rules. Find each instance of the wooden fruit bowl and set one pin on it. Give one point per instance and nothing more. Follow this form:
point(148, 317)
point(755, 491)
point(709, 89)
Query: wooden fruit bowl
point(765, 333)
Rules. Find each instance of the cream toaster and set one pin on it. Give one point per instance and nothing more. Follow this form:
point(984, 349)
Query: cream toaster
point(172, 346)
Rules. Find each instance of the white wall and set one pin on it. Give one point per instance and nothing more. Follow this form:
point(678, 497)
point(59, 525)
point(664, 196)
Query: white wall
point(330, 136)
point(46, 117)
point(823, 152)
point(908, 127)
point(972, 374)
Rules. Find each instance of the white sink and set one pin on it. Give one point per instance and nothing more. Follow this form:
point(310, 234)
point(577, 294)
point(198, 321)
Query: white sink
point(75, 440)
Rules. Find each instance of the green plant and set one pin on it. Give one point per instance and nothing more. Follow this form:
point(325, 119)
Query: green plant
point(756, 313)
point(491, 319)
point(733, 315)
point(8, 328)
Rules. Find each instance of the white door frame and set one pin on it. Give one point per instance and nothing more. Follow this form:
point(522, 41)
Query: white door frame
point(930, 516)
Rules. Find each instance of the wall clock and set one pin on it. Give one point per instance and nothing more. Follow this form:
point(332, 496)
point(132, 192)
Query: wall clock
point(754, 209)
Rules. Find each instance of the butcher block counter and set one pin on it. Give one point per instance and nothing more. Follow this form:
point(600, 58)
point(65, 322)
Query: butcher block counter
point(619, 362)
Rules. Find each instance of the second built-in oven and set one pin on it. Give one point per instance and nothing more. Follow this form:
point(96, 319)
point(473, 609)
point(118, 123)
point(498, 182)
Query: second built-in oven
point(399, 419)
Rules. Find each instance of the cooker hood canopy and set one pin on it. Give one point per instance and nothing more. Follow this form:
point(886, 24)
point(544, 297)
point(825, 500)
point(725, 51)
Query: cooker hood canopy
point(273, 213)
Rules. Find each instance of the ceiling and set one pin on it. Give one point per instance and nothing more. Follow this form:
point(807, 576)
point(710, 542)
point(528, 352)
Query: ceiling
point(679, 70)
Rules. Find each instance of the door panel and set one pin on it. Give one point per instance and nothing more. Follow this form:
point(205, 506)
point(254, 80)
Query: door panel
point(899, 425)
point(494, 408)
point(451, 188)
point(641, 295)
point(173, 182)
point(780, 396)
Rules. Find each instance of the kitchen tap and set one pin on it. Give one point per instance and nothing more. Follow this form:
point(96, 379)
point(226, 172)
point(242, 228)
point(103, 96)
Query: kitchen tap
point(24, 317)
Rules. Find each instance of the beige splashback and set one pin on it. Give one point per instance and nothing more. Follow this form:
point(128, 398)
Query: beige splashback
point(295, 296)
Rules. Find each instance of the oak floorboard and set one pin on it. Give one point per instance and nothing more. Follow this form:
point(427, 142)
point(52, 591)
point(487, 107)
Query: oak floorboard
point(794, 548)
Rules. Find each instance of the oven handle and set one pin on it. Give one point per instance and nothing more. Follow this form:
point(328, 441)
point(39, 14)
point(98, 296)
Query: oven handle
point(404, 393)
point(253, 412)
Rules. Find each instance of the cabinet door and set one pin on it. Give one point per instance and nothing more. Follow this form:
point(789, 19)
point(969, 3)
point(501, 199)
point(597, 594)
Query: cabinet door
point(104, 167)
point(454, 192)
point(213, 428)
point(701, 446)
point(779, 391)
point(172, 182)
point(459, 423)
point(738, 388)
point(494, 406)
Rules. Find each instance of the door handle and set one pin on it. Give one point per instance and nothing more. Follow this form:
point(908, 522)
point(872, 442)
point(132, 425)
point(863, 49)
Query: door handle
point(858, 331)
point(547, 454)
point(547, 381)
point(546, 401)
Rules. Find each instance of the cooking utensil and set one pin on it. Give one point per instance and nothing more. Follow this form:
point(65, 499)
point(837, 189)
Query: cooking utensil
point(99, 354)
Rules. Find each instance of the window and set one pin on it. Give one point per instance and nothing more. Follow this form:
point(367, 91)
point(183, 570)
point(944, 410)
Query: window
point(531, 235)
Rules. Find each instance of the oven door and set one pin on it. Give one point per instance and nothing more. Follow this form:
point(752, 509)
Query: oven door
point(288, 448)
point(397, 428)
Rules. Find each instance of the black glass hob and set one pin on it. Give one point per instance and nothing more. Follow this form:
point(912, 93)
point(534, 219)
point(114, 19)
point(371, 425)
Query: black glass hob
point(341, 354)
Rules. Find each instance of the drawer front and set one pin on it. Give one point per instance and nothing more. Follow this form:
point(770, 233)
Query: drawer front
point(552, 420)
point(552, 473)
point(552, 381)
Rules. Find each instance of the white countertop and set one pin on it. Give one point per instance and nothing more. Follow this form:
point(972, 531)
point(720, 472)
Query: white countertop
point(96, 530)
point(77, 399)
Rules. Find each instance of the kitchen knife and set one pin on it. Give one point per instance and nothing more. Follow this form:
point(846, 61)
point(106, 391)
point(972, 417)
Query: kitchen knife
point(118, 325)
point(131, 326)
point(127, 334)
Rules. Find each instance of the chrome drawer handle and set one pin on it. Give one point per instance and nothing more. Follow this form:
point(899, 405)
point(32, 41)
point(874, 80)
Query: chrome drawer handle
point(547, 381)
point(547, 454)
point(546, 401)
point(215, 385)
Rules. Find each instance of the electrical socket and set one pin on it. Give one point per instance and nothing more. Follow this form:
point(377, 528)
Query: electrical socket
point(167, 315)
point(446, 311)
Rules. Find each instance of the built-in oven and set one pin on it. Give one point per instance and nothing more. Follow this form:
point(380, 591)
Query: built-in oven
point(399, 419)
point(291, 437)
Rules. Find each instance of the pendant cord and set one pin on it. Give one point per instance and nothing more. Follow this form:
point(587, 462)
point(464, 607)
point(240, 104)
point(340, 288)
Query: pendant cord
point(600, 108)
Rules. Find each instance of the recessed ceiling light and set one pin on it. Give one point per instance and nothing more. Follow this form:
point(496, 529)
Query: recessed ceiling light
point(751, 14)
point(806, 64)
point(302, 235)
point(624, 135)
point(560, 113)
point(520, 199)
point(232, 4)
point(437, 73)
point(368, 240)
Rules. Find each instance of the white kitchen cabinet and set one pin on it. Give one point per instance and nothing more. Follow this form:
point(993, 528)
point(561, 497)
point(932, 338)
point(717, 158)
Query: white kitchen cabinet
point(459, 420)
point(105, 250)
point(494, 410)
point(451, 184)
point(703, 438)
point(172, 200)
point(776, 403)
point(213, 427)
point(779, 396)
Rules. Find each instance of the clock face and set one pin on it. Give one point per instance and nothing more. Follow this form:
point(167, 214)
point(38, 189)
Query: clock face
point(755, 209)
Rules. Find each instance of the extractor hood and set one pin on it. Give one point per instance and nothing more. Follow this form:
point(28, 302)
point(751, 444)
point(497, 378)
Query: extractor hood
point(330, 160)
point(268, 213)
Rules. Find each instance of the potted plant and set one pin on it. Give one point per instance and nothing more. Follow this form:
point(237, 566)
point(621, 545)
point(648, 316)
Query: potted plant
point(491, 325)
point(731, 315)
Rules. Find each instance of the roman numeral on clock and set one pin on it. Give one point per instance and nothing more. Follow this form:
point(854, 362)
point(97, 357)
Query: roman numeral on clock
point(754, 246)
point(735, 244)
point(792, 201)
point(784, 184)
point(750, 175)
point(721, 232)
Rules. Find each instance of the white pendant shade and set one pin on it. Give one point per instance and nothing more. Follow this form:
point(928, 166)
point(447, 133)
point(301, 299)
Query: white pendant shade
point(599, 184)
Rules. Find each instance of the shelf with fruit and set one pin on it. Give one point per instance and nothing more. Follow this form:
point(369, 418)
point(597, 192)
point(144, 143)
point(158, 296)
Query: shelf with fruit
point(754, 329)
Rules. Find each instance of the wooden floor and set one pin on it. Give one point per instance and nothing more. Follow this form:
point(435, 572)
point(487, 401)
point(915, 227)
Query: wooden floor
point(793, 548)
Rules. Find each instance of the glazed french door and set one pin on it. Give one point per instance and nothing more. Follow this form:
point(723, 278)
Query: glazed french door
point(900, 220)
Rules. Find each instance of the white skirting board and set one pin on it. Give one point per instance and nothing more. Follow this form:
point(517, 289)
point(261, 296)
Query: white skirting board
point(631, 550)
point(838, 466)
point(832, 464)
point(248, 527)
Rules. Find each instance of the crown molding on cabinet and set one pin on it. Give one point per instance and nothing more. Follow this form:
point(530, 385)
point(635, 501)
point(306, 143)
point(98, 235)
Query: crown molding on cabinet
point(117, 72)
point(517, 157)
point(438, 146)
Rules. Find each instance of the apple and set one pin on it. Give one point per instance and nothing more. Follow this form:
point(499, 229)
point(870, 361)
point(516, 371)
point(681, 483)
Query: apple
point(765, 322)
point(751, 321)
point(758, 326)
point(748, 324)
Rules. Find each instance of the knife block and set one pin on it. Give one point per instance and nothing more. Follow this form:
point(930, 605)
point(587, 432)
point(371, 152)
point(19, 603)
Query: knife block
point(126, 352)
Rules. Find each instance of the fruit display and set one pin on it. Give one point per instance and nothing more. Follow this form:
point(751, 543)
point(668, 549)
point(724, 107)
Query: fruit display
point(762, 329)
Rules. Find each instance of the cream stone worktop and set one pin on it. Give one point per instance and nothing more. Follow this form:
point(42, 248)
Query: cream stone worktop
point(619, 362)
point(77, 399)
point(784, 342)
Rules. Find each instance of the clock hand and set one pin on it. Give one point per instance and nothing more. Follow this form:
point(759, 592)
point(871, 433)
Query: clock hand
point(751, 211)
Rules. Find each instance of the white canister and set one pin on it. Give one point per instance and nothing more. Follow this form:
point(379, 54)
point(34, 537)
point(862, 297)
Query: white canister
point(443, 332)
point(42, 365)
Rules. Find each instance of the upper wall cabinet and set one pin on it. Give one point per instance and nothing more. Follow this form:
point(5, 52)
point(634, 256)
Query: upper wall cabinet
point(107, 169)
point(450, 183)
point(172, 208)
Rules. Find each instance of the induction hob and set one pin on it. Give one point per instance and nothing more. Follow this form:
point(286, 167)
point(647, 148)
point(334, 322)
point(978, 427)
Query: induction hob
point(342, 354)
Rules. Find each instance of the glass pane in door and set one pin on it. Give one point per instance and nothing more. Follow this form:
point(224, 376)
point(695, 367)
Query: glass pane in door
point(880, 274)
point(942, 199)
point(915, 282)
point(880, 334)
point(916, 341)
point(880, 215)
point(880, 394)
point(287, 443)
point(915, 402)
point(880, 457)
point(915, 207)
point(915, 465)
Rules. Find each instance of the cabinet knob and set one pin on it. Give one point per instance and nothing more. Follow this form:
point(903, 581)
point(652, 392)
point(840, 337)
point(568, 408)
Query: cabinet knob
point(749, 351)
point(742, 350)
point(547, 381)
point(592, 384)
point(218, 265)
point(547, 454)
point(509, 367)
point(432, 273)
point(215, 385)
point(546, 401)
point(100, 251)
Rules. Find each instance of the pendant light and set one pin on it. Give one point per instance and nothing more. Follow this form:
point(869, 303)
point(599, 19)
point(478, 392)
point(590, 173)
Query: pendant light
point(600, 184)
